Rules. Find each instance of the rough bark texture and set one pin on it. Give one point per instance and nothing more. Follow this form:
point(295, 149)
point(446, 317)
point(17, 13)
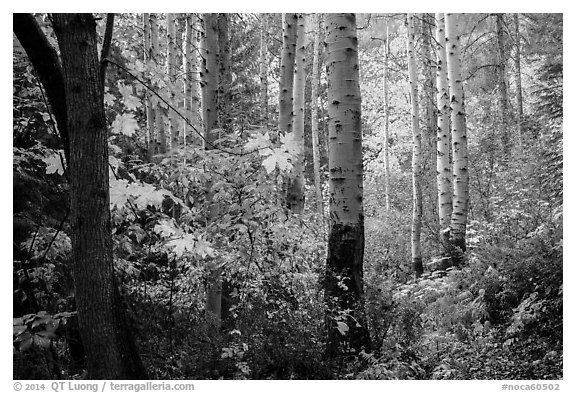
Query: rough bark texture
point(287, 73)
point(47, 65)
point(443, 171)
point(295, 194)
point(460, 199)
point(106, 336)
point(210, 77)
point(314, 114)
point(416, 152)
point(346, 238)
point(264, 70)
point(386, 123)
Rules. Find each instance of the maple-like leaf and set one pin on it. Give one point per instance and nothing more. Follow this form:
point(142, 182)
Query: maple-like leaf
point(259, 141)
point(165, 228)
point(109, 99)
point(182, 245)
point(124, 124)
point(54, 164)
point(270, 163)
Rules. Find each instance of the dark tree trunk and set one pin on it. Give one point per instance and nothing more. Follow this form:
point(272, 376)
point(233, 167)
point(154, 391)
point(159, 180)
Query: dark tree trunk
point(343, 288)
point(46, 63)
point(110, 349)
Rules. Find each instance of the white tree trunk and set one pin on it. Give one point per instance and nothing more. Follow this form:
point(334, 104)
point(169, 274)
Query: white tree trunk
point(295, 194)
point(386, 122)
point(346, 238)
point(264, 70)
point(416, 152)
point(159, 115)
point(171, 69)
point(314, 114)
point(150, 117)
point(287, 73)
point(443, 171)
point(460, 201)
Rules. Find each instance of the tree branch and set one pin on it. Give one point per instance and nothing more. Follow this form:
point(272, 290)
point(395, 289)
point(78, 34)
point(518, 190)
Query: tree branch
point(45, 60)
point(106, 46)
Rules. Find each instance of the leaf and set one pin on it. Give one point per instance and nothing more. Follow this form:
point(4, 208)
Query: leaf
point(18, 330)
point(342, 328)
point(165, 228)
point(259, 141)
point(203, 248)
point(109, 99)
point(270, 163)
point(53, 164)
point(124, 124)
point(182, 245)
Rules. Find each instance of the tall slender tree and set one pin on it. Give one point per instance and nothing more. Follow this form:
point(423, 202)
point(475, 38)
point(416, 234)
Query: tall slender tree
point(518, 79)
point(264, 69)
point(416, 151)
point(171, 68)
point(295, 192)
point(443, 170)
point(225, 73)
point(191, 84)
point(286, 84)
point(161, 143)
point(502, 86)
point(460, 200)
point(386, 121)
point(345, 320)
point(110, 349)
point(150, 129)
point(314, 112)
point(210, 78)
point(429, 134)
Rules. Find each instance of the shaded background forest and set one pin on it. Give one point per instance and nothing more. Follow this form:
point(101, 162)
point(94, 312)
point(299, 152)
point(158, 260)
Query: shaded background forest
point(498, 316)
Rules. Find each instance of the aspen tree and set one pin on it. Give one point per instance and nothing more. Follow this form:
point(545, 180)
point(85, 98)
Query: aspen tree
point(286, 84)
point(386, 121)
point(343, 284)
point(225, 73)
point(416, 152)
point(518, 80)
point(264, 70)
point(159, 113)
point(314, 113)
point(171, 69)
point(429, 133)
point(295, 192)
point(191, 85)
point(443, 171)
point(210, 83)
point(150, 120)
point(502, 86)
point(210, 78)
point(110, 349)
point(460, 200)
